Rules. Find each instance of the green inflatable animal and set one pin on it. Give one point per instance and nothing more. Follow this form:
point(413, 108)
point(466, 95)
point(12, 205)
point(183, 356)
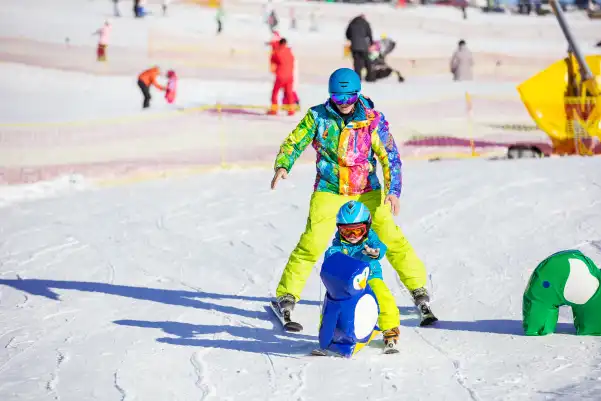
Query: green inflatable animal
point(564, 278)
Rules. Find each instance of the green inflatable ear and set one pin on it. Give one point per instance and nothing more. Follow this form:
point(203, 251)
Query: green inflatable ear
point(564, 278)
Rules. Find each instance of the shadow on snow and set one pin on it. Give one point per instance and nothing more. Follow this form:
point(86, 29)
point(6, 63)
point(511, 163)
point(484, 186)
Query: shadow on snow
point(497, 326)
point(260, 340)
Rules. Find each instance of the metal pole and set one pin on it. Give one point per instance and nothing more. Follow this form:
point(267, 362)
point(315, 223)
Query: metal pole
point(585, 71)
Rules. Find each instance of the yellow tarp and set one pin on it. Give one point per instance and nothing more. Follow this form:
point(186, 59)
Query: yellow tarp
point(550, 99)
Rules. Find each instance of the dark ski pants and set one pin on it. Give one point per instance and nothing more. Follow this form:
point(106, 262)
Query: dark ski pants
point(146, 92)
point(361, 60)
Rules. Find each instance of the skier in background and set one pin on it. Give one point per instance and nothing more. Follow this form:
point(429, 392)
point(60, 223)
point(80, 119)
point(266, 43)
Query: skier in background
point(147, 78)
point(219, 14)
point(274, 43)
point(272, 20)
point(103, 33)
point(359, 34)
point(348, 134)
point(282, 61)
point(462, 63)
point(171, 88)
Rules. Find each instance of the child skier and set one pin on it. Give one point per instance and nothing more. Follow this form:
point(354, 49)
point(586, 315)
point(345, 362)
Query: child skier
point(103, 40)
point(348, 134)
point(356, 239)
point(171, 88)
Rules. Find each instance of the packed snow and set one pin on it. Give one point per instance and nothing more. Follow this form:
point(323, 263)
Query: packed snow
point(159, 290)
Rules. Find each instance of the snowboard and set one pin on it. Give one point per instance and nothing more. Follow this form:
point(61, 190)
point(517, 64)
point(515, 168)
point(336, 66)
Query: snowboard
point(284, 318)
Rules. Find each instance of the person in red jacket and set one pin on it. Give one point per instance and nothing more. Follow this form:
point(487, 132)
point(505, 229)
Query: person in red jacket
point(171, 88)
point(282, 61)
point(147, 78)
point(274, 43)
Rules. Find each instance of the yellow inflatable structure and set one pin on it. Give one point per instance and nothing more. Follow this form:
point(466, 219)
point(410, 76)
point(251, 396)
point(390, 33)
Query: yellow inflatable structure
point(204, 3)
point(565, 99)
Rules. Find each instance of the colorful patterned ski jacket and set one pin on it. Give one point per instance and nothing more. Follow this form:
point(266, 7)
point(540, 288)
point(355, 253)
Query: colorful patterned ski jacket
point(345, 153)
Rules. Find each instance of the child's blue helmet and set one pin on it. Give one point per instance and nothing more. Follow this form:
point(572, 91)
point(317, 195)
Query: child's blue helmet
point(344, 80)
point(353, 212)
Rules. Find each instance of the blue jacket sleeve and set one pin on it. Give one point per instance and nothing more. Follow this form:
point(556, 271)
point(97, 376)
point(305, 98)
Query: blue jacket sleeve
point(373, 241)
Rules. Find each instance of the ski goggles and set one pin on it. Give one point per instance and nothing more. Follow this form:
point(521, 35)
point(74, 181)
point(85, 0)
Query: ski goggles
point(344, 98)
point(352, 231)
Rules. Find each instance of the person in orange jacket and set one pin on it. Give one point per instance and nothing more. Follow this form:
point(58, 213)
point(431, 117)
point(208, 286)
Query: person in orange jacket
point(147, 78)
point(282, 61)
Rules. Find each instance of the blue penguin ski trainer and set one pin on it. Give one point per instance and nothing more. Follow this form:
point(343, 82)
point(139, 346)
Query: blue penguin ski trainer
point(350, 310)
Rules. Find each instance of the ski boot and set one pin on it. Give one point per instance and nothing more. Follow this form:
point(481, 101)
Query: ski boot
point(283, 307)
point(391, 339)
point(286, 304)
point(421, 299)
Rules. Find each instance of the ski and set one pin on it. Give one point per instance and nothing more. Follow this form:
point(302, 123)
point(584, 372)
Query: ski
point(427, 318)
point(285, 320)
point(390, 349)
point(324, 352)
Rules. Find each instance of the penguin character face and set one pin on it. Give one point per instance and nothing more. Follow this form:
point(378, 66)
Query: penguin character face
point(360, 280)
point(343, 276)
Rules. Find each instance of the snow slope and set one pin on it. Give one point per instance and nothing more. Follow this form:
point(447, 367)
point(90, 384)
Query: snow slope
point(418, 30)
point(157, 291)
point(41, 95)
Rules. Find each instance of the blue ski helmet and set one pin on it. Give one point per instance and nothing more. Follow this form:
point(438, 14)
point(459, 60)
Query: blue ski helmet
point(344, 80)
point(353, 212)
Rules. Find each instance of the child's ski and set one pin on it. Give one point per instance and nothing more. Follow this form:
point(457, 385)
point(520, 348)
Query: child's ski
point(391, 348)
point(325, 352)
point(284, 318)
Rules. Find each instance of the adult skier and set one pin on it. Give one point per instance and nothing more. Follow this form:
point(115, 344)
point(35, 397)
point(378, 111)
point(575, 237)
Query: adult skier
point(282, 61)
point(346, 133)
point(145, 80)
point(359, 34)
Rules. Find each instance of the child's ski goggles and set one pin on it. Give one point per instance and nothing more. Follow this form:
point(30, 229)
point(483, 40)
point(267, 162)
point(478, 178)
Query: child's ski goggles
point(352, 231)
point(344, 98)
